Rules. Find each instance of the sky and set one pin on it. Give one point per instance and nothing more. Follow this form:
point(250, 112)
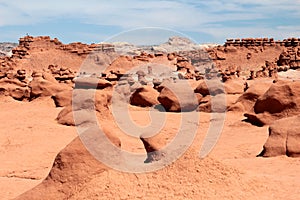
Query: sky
point(145, 21)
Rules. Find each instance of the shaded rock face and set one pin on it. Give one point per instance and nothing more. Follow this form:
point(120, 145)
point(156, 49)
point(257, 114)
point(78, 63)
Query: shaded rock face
point(178, 97)
point(63, 98)
point(233, 87)
point(281, 96)
point(92, 83)
point(72, 168)
point(246, 101)
point(284, 137)
point(41, 87)
point(280, 101)
point(210, 87)
point(217, 104)
point(153, 148)
point(84, 105)
point(144, 97)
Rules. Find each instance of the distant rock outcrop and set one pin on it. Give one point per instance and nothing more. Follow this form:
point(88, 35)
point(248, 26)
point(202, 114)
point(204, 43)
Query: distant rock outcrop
point(6, 48)
point(177, 44)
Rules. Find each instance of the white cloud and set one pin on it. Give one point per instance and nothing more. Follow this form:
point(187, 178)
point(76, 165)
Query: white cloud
point(136, 12)
point(212, 16)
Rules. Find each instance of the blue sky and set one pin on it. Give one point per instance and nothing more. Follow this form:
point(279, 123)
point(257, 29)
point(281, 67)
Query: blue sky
point(89, 21)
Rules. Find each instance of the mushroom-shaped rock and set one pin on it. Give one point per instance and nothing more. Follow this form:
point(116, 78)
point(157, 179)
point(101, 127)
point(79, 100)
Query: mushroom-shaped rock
point(246, 102)
point(210, 87)
point(145, 97)
point(63, 98)
point(217, 104)
point(284, 136)
point(83, 107)
point(178, 97)
point(280, 101)
point(41, 87)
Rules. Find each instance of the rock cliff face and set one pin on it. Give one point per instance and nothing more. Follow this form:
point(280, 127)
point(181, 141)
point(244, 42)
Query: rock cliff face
point(174, 44)
point(177, 44)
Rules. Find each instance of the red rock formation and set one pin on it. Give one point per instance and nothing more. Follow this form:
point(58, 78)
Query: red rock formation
point(145, 97)
point(283, 138)
point(280, 100)
point(72, 167)
point(178, 97)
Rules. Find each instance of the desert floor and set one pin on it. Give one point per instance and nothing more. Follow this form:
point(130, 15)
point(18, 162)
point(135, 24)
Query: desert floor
point(30, 138)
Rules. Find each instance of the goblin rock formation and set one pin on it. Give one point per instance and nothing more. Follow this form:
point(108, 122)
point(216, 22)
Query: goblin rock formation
point(88, 82)
point(240, 76)
point(284, 138)
point(279, 101)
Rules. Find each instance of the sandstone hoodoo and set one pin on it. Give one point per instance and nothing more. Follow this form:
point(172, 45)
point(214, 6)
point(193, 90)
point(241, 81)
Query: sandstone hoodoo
point(63, 98)
point(217, 104)
point(246, 101)
point(41, 88)
point(210, 87)
point(145, 97)
point(178, 97)
point(72, 167)
point(84, 86)
point(280, 100)
point(84, 105)
point(283, 138)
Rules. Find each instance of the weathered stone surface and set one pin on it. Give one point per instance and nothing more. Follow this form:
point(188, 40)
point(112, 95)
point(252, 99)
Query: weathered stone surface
point(41, 88)
point(280, 101)
point(144, 97)
point(219, 103)
point(20, 93)
point(73, 167)
point(210, 87)
point(92, 83)
point(247, 100)
point(85, 103)
point(177, 97)
point(234, 86)
point(284, 137)
point(63, 98)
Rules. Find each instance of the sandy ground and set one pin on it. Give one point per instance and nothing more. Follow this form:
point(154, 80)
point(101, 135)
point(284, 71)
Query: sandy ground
point(30, 139)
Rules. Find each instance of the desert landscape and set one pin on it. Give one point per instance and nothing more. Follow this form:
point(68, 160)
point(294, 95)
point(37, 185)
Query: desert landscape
point(176, 120)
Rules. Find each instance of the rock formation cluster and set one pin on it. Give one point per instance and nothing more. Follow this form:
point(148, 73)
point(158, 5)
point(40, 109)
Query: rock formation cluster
point(241, 76)
point(88, 81)
point(248, 42)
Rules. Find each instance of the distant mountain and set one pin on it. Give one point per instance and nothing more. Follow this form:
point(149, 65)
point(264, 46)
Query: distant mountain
point(174, 44)
point(177, 44)
point(6, 48)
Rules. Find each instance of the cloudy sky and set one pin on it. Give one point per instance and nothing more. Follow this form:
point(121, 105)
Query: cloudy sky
point(97, 20)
